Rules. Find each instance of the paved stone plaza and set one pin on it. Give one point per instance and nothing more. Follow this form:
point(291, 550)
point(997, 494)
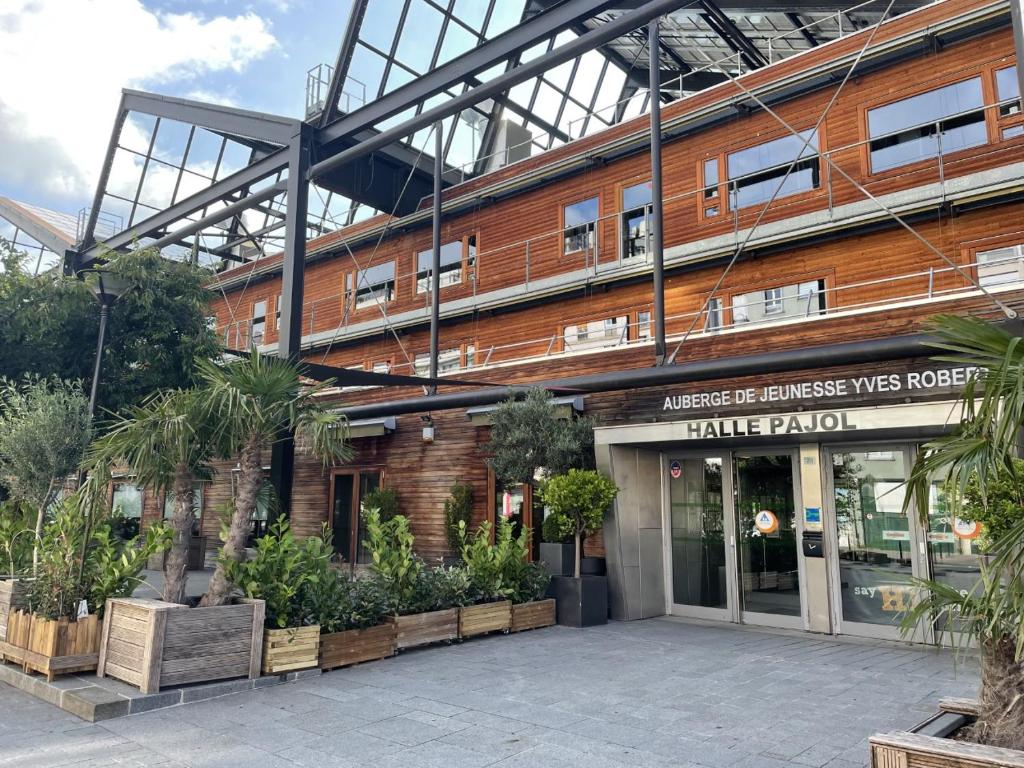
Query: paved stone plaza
point(655, 693)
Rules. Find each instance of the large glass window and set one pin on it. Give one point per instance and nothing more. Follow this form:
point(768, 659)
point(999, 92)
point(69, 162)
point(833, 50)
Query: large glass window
point(1008, 91)
point(930, 124)
point(448, 361)
point(698, 533)
point(609, 332)
point(757, 173)
point(1000, 266)
point(451, 265)
point(794, 300)
point(259, 321)
point(580, 222)
point(636, 206)
point(375, 285)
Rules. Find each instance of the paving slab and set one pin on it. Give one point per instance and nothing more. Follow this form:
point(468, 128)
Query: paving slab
point(660, 692)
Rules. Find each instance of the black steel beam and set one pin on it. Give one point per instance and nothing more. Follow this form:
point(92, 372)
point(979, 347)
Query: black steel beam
point(214, 193)
point(341, 64)
point(501, 48)
point(501, 83)
point(656, 229)
point(796, 21)
point(228, 121)
point(779, 361)
point(726, 29)
point(88, 236)
point(435, 257)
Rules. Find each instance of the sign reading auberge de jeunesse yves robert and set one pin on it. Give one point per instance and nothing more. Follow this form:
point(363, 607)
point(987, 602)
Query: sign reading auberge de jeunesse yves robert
point(908, 382)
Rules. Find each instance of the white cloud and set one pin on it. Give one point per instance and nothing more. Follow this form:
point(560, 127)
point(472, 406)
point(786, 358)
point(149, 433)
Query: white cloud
point(65, 63)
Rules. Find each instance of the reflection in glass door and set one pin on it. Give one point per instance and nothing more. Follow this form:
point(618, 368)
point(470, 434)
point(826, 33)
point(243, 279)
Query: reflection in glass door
point(700, 582)
point(875, 541)
point(768, 558)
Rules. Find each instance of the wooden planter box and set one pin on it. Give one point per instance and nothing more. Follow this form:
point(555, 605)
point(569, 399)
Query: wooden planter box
point(533, 615)
point(484, 618)
point(342, 649)
point(13, 595)
point(152, 644)
point(52, 646)
point(285, 650)
point(425, 628)
point(917, 749)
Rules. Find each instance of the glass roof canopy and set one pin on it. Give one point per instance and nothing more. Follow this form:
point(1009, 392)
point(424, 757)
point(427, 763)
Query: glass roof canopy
point(165, 151)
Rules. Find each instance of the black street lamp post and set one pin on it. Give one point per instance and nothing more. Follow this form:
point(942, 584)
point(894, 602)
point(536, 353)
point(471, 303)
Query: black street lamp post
point(107, 289)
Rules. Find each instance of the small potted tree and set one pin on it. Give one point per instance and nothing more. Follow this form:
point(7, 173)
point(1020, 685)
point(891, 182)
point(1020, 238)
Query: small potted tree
point(577, 502)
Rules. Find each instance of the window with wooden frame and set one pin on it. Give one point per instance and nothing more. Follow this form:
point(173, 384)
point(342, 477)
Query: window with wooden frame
point(348, 487)
point(1010, 118)
point(579, 225)
point(709, 201)
point(927, 125)
point(644, 328)
point(635, 221)
point(999, 264)
point(757, 174)
point(458, 262)
point(777, 302)
point(595, 334)
point(259, 322)
point(518, 503)
point(449, 360)
point(379, 366)
point(277, 315)
point(373, 285)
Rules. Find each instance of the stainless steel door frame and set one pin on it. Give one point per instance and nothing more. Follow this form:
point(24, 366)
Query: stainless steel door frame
point(770, 619)
point(918, 544)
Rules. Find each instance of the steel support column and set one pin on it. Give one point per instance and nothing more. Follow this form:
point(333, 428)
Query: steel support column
point(656, 229)
point(435, 263)
point(1017, 14)
point(293, 270)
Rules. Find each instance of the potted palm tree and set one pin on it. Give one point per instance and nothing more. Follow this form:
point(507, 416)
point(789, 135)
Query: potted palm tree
point(577, 502)
point(977, 460)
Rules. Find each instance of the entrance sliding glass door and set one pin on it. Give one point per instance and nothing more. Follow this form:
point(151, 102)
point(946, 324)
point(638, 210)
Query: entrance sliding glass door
point(733, 550)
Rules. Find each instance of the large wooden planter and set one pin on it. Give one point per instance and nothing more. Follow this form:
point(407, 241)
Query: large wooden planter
point(285, 650)
point(485, 617)
point(426, 628)
point(342, 649)
point(919, 748)
point(51, 646)
point(13, 595)
point(533, 615)
point(152, 644)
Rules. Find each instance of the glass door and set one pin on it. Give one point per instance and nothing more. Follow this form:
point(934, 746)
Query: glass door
point(878, 549)
point(700, 552)
point(348, 487)
point(768, 535)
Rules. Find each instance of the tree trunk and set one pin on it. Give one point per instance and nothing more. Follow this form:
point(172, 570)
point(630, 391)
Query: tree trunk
point(1001, 698)
point(40, 517)
point(182, 517)
point(250, 478)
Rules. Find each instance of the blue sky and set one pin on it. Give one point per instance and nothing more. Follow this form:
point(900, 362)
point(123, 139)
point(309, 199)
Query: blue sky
point(56, 118)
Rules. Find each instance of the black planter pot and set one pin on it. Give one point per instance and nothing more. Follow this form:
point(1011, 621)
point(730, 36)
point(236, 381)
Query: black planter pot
point(558, 558)
point(592, 566)
point(582, 602)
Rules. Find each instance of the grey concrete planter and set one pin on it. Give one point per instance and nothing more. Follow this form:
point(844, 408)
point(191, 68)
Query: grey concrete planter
point(558, 558)
point(928, 745)
point(582, 602)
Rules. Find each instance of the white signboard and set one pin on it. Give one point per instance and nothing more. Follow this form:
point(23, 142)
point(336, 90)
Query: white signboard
point(912, 382)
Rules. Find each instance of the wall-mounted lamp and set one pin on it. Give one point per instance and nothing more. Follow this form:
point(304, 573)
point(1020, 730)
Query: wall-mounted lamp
point(428, 428)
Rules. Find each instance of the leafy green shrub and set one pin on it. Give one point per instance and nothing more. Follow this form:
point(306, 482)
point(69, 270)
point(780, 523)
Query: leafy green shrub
point(532, 584)
point(438, 589)
point(390, 545)
point(494, 569)
point(551, 530)
point(17, 535)
point(576, 503)
point(110, 567)
point(279, 572)
point(384, 500)
point(338, 603)
point(999, 507)
point(458, 508)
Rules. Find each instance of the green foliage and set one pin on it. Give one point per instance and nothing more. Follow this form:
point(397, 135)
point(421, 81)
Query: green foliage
point(17, 535)
point(338, 603)
point(384, 500)
point(110, 567)
point(576, 503)
point(438, 589)
point(156, 329)
point(551, 530)
point(495, 569)
point(458, 509)
point(998, 506)
point(532, 584)
point(44, 431)
point(527, 435)
point(280, 572)
point(390, 545)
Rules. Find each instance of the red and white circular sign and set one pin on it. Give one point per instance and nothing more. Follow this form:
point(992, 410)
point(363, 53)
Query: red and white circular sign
point(966, 529)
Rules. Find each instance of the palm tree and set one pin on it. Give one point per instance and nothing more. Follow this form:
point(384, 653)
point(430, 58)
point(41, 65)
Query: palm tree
point(981, 451)
point(252, 403)
point(166, 443)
